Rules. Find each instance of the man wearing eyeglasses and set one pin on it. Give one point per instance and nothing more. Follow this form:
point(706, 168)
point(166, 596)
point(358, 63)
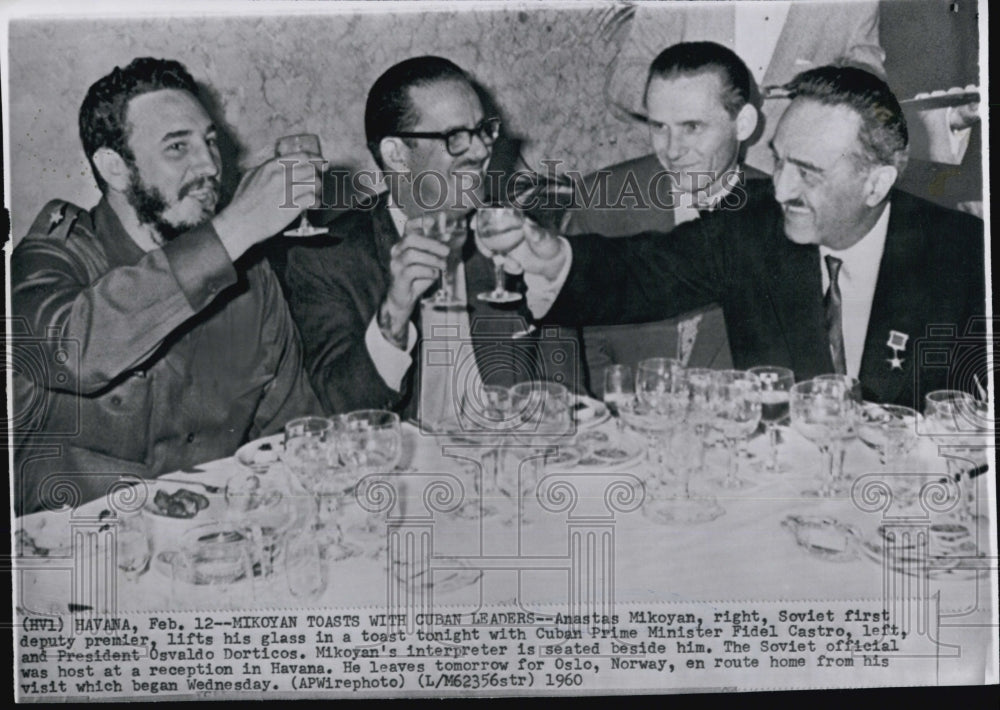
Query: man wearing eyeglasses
point(357, 303)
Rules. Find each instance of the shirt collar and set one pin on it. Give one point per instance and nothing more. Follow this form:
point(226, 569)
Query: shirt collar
point(397, 215)
point(866, 253)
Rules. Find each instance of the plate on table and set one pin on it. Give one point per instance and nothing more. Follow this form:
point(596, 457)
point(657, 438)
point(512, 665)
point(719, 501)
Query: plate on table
point(954, 96)
point(589, 412)
point(941, 551)
point(823, 537)
point(458, 575)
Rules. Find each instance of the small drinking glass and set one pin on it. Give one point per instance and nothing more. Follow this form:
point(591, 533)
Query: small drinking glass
point(775, 385)
point(305, 572)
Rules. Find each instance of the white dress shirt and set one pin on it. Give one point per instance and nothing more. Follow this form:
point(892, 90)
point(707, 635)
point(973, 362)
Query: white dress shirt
point(857, 278)
point(390, 362)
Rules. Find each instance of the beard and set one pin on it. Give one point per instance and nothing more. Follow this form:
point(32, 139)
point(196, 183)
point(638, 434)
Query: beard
point(150, 205)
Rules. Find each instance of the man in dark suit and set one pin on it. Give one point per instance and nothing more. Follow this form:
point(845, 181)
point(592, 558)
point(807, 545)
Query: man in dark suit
point(832, 271)
point(357, 303)
point(697, 106)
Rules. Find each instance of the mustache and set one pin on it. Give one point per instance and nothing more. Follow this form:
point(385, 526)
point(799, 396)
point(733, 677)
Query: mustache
point(200, 184)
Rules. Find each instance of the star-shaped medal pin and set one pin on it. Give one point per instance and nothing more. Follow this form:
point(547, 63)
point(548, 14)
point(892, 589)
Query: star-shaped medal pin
point(897, 343)
point(55, 217)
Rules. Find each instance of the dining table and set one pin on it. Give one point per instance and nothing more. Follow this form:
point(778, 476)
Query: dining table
point(508, 524)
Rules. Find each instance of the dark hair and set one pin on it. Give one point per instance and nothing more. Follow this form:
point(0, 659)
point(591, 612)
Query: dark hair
point(882, 134)
point(389, 108)
point(689, 58)
point(103, 112)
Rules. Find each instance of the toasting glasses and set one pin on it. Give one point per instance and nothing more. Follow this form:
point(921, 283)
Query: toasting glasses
point(290, 145)
point(496, 220)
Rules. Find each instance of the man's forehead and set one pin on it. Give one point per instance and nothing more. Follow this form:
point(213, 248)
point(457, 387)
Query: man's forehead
point(702, 90)
point(820, 133)
point(156, 114)
point(443, 105)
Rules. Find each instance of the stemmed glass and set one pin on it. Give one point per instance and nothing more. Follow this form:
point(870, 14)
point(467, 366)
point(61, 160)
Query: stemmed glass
point(775, 383)
point(888, 429)
point(486, 417)
point(371, 443)
point(619, 392)
point(493, 221)
point(311, 454)
point(132, 545)
point(301, 143)
point(950, 418)
point(449, 229)
point(661, 390)
point(823, 412)
point(736, 415)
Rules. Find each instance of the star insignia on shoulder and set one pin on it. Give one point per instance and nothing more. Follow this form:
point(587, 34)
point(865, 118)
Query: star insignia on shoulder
point(56, 216)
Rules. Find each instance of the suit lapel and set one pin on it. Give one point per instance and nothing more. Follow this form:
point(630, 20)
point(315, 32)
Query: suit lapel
point(893, 308)
point(796, 292)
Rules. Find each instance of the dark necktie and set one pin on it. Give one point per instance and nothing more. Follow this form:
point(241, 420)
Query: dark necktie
point(834, 317)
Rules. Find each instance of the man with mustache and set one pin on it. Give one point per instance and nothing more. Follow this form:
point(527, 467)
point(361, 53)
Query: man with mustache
point(147, 343)
point(357, 303)
point(832, 271)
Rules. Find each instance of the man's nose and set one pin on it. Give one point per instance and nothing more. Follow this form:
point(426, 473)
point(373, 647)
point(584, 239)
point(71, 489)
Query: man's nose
point(478, 150)
point(786, 182)
point(669, 144)
point(206, 161)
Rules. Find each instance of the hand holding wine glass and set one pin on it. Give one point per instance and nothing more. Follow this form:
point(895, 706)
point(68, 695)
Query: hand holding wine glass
point(495, 221)
point(307, 143)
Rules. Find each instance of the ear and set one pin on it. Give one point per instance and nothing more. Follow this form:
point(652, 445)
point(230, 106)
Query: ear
point(112, 168)
point(880, 181)
point(746, 122)
point(395, 154)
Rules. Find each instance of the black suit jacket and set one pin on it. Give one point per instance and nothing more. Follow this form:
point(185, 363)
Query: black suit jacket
point(931, 286)
point(335, 285)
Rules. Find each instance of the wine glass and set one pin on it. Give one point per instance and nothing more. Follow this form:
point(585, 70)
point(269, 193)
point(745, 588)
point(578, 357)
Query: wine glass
point(371, 443)
point(301, 143)
point(312, 456)
point(132, 545)
point(888, 429)
point(492, 221)
point(701, 406)
point(947, 417)
point(487, 416)
point(619, 392)
point(449, 229)
point(659, 385)
point(775, 383)
point(822, 410)
point(736, 415)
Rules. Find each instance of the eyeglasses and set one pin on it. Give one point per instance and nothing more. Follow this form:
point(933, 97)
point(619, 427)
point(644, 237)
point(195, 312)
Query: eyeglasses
point(459, 140)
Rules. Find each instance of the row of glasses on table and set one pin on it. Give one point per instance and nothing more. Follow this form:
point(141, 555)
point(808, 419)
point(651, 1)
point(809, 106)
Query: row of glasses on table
point(676, 407)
